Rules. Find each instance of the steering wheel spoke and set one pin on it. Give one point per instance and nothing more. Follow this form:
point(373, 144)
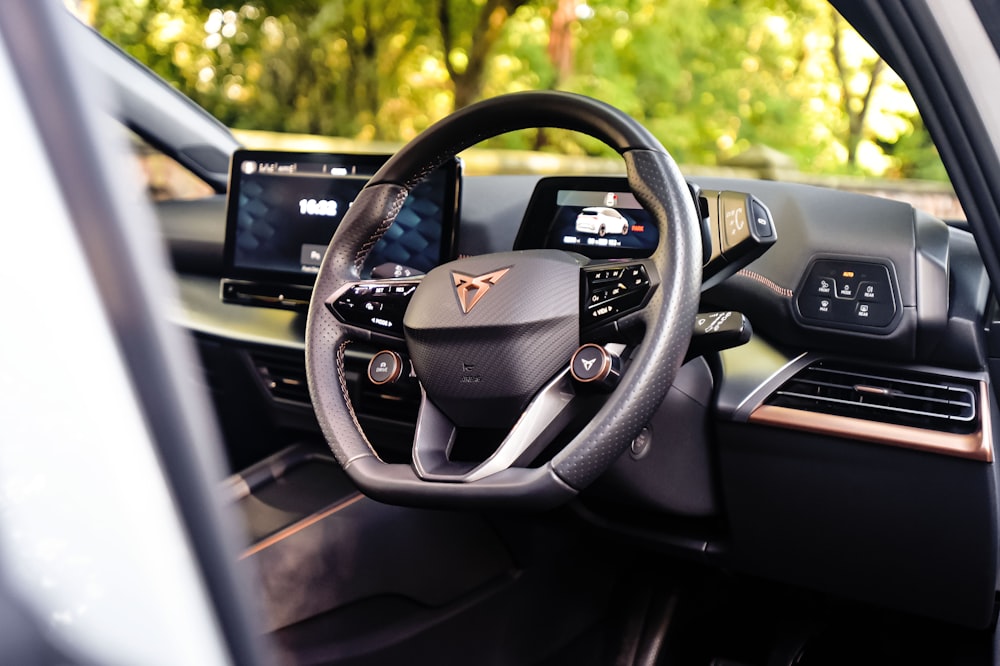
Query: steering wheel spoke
point(545, 417)
point(373, 306)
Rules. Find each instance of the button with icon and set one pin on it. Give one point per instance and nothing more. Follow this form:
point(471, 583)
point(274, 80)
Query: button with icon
point(870, 291)
point(386, 367)
point(593, 365)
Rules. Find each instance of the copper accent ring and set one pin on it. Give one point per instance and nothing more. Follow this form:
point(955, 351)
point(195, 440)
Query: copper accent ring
point(602, 373)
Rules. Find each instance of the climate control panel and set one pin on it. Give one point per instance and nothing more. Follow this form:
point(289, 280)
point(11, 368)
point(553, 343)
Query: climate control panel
point(857, 295)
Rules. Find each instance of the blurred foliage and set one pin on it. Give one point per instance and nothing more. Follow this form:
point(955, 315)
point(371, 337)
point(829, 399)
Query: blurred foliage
point(709, 78)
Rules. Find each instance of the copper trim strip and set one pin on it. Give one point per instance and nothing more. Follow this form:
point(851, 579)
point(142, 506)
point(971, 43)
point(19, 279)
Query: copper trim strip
point(297, 527)
point(974, 446)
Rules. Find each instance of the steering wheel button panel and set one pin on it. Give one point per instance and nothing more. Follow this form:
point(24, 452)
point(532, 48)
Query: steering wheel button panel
point(612, 291)
point(374, 306)
point(849, 294)
point(606, 275)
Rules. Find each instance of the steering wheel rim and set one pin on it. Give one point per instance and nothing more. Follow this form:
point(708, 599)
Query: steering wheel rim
point(658, 185)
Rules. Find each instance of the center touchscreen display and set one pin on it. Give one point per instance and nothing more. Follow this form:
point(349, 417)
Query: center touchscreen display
point(284, 207)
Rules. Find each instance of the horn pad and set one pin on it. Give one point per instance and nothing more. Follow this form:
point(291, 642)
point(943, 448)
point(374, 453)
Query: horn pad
point(486, 333)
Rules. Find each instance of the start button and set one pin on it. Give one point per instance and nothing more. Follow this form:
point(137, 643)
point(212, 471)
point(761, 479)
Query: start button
point(385, 367)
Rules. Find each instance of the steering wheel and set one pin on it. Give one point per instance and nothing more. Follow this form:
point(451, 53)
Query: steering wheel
point(491, 337)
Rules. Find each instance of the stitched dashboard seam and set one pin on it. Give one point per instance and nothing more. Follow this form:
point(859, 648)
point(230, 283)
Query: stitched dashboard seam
point(757, 277)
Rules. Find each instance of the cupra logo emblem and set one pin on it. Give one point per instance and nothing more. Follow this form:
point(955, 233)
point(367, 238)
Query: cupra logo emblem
point(472, 288)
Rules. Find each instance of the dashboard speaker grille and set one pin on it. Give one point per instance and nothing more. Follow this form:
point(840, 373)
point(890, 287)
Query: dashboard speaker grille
point(894, 396)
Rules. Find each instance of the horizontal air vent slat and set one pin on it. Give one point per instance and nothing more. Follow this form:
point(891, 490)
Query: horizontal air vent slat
point(891, 396)
point(957, 395)
point(283, 374)
point(889, 408)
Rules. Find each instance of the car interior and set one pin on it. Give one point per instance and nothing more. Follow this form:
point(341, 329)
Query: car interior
point(635, 418)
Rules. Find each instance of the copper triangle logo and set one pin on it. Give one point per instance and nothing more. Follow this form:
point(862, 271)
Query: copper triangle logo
point(471, 288)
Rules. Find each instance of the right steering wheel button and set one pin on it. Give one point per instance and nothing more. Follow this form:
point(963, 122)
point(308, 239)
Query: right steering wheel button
point(593, 365)
point(386, 367)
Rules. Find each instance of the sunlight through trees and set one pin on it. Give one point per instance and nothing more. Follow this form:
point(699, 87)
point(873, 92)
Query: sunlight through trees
point(710, 78)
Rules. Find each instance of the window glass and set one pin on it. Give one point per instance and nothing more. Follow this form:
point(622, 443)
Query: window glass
point(758, 88)
point(164, 178)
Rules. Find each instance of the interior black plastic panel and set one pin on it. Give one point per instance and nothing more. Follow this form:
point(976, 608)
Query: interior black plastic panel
point(960, 343)
point(670, 467)
point(880, 525)
point(297, 487)
point(202, 311)
point(815, 224)
point(933, 266)
point(564, 585)
point(751, 371)
point(890, 526)
point(813, 220)
point(492, 208)
point(195, 231)
point(429, 557)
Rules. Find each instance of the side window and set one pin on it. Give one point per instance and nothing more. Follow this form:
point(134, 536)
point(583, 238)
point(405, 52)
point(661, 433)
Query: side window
point(164, 178)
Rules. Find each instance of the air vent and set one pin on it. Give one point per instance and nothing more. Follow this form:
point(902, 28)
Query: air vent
point(899, 397)
point(283, 373)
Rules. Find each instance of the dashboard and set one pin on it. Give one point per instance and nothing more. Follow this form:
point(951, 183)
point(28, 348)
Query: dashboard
point(842, 428)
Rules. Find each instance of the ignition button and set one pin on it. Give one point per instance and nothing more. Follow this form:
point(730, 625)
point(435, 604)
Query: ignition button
point(386, 367)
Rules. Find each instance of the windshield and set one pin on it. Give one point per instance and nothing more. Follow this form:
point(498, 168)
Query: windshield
point(780, 89)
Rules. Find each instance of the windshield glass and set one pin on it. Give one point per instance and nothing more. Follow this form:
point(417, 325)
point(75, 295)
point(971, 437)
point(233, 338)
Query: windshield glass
point(761, 88)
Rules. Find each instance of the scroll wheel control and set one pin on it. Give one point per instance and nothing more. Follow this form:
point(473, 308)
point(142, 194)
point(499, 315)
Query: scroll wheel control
point(593, 365)
point(386, 367)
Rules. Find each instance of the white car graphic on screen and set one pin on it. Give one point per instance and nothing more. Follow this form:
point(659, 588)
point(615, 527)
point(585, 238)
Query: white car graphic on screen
point(601, 221)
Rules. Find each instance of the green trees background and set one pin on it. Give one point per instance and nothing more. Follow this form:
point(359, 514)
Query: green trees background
point(710, 78)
